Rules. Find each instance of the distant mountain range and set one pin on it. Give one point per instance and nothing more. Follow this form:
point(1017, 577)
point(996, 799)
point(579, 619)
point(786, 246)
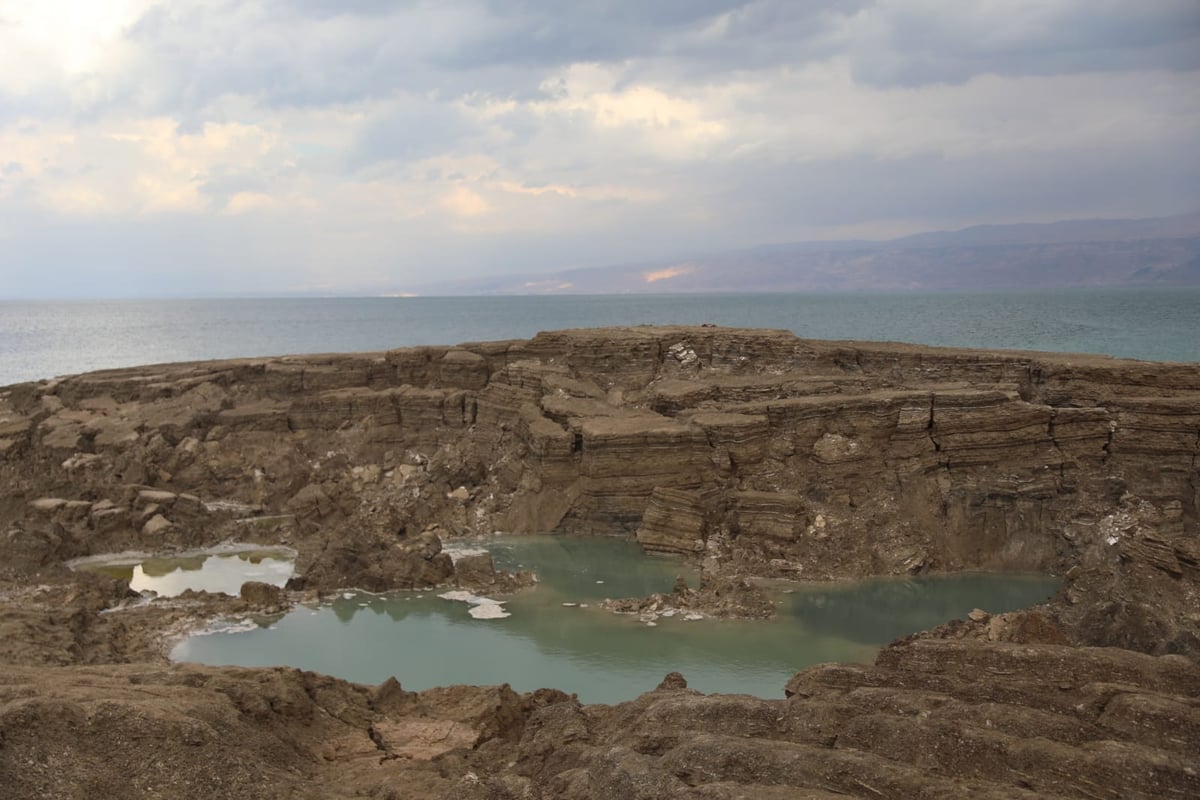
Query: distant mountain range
point(1077, 253)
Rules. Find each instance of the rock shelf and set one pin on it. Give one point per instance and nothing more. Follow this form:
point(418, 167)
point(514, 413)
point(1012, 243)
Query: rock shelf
point(756, 453)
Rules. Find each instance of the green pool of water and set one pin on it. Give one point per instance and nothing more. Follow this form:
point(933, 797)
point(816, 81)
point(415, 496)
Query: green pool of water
point(426, 641)
point(212, 571)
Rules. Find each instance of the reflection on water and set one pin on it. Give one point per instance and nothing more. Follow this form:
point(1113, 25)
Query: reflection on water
point(210, 572)
point(590, 568)
point(883, 609)
point(426, 641)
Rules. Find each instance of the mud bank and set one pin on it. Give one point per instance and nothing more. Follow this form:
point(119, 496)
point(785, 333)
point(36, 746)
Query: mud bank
point(755, 453)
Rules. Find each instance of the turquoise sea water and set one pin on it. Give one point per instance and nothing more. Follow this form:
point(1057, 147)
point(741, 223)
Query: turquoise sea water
point(44, 339)
point(424, 640)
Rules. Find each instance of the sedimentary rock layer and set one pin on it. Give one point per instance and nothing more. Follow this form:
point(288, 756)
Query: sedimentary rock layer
point(754, 452)
point(931, 719)
point(911, 457)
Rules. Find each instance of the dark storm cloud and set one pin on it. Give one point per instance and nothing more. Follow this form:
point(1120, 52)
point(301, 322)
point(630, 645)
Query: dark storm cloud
point(324, 9)
point(201, 53)
point(550, 34)
point(918, 43)
point(317, 52)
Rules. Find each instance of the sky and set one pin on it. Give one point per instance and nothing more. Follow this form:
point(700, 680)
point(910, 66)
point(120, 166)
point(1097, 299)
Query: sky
point(250, 147)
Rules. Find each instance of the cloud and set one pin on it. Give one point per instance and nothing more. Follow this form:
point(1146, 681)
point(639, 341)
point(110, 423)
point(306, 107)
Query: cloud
point(464, 202)
point(363, 145)
point(922, 42)
point(137, 167)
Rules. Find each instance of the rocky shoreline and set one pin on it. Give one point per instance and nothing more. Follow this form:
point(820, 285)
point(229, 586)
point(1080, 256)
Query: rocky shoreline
point(758, 454)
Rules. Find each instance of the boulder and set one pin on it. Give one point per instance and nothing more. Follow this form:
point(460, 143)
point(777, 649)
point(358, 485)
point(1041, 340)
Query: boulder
point(311, 502)
point(263, 595)
point(475, 571)
point(672, 682)
point(156, 526)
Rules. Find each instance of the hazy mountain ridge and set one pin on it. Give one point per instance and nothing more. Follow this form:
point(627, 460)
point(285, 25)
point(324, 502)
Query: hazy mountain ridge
point(1068, 254)
point(1063, 232)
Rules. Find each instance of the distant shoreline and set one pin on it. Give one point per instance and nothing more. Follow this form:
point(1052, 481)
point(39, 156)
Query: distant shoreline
point(43, 339)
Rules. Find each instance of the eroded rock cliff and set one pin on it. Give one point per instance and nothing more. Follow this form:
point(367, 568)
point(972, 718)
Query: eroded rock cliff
point(761, 450)
point(755, 452)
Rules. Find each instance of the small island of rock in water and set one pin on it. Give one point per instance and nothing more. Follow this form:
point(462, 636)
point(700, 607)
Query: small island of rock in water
point(752, 453)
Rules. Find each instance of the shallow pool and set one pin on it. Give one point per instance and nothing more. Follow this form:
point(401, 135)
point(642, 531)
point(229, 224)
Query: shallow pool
point(426, 641)
point(221, 571)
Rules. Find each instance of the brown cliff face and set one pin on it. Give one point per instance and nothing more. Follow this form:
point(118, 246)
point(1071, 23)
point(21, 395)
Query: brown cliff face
point(758, 453)
point(755, 448)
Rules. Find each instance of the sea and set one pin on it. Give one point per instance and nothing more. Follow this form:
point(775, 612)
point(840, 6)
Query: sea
point(44, 339)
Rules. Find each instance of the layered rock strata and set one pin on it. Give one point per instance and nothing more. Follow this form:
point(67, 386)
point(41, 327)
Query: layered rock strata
point(931, 719)
point(836, 458)
point(754, 452)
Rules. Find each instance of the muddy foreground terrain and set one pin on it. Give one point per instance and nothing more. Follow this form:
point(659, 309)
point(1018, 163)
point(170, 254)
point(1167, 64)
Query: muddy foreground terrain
point(756, 453)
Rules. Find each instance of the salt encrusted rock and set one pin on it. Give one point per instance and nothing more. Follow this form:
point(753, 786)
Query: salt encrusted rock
point(479, 607)
point(685, 355)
